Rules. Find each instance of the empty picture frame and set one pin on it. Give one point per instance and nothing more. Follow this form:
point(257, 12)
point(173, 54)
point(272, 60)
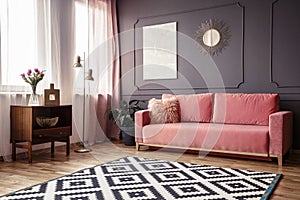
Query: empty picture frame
point(160, 51)
point(52, 96)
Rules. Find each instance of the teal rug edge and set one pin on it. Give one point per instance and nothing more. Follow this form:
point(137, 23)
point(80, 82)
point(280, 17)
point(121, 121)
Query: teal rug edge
point(272, 187)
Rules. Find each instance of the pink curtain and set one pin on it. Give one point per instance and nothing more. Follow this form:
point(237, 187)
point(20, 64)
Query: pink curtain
point(104, 60)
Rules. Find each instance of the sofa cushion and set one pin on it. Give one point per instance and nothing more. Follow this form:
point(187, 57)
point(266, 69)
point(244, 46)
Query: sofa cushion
point(244, 108)
point(194, 107)
point(164, 111)
point(227, 137)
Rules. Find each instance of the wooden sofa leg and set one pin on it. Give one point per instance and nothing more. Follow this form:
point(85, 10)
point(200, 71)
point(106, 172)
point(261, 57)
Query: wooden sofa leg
point(137, 146)
point(279, 158)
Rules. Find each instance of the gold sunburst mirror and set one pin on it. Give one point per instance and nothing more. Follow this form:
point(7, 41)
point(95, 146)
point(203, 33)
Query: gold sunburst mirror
point(213, 35)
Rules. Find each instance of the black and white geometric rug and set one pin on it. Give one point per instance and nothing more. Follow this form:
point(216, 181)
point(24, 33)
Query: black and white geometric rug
point(149, 179)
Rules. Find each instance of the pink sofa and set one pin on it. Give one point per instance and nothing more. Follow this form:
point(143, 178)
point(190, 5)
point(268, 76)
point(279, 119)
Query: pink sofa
point(239, 124)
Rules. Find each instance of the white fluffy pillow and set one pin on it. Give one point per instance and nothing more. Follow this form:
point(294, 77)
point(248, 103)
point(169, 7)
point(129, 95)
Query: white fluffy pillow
point(164, 111)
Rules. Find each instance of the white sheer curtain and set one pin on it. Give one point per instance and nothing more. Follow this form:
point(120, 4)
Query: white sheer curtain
point(103, 58)
point(31, 35)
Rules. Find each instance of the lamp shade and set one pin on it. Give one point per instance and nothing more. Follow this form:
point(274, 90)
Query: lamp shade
point(89, 75)
point(78, 64)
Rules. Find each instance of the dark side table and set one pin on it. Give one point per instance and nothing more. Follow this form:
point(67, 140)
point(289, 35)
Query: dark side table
point(25, 132)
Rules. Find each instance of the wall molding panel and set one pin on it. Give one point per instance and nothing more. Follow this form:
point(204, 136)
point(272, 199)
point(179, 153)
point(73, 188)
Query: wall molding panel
point(285, 44)
point(197, 75)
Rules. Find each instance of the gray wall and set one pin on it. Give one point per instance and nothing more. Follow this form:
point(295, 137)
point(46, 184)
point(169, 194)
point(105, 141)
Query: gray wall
point(262, 55)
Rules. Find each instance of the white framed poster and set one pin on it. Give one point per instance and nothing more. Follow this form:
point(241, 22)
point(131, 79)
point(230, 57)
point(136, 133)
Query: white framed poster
point(160, 51)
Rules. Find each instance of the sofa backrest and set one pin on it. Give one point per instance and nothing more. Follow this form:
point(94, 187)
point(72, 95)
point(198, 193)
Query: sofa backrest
point(194, 107)
point(244, 108)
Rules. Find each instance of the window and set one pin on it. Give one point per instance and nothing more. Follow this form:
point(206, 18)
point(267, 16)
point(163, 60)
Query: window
point(81, 28)
point(19, 35)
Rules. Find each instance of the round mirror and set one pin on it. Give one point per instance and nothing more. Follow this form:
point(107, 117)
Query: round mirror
point(211, 37)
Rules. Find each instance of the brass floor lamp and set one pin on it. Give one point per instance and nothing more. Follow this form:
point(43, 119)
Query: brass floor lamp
point(88, 77)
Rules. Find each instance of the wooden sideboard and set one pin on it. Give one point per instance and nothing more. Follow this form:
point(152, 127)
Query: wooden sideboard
point(25, 131)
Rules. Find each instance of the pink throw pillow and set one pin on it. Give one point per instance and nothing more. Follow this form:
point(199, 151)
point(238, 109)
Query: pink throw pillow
point(242, 108)
point(164, 111)
point(194, 107)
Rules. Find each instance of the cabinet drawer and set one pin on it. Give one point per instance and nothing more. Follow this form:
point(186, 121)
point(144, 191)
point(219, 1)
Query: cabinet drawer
point(52, 132)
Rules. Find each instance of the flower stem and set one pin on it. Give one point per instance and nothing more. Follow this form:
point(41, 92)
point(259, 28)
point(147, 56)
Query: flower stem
point(33, 89)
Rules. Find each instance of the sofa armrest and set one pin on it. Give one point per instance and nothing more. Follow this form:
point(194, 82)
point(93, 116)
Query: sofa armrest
point(280, 132)
point(142, 118)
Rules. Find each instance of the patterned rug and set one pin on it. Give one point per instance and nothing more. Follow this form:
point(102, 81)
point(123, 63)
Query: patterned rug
point(149, 179)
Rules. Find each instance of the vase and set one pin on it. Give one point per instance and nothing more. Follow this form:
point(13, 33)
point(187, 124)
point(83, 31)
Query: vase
point(127, 134)
point(34, 98)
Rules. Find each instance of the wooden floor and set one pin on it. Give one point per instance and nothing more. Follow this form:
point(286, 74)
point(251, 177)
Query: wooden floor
point(19, 174)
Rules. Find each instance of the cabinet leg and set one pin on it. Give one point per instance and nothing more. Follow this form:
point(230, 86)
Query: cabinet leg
point(52, 148)
point(29, 152)
point(68, 146)
point(13, 151)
